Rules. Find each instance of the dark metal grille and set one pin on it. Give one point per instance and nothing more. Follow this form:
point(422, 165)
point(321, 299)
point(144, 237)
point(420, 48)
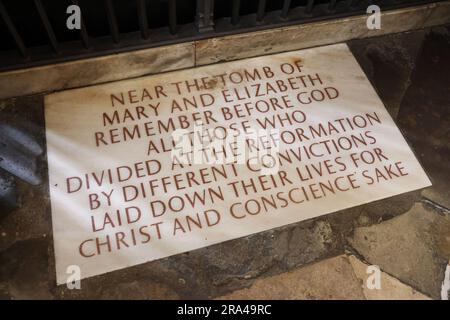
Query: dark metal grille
point(34, 32)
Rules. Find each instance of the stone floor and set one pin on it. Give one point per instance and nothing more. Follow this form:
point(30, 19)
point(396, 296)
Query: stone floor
point(407, 236)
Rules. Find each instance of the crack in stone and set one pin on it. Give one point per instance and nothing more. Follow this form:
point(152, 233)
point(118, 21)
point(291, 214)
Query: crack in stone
point(439, 208)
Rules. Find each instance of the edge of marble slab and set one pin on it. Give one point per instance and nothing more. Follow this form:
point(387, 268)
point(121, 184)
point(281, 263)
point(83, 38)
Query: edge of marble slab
point(85, 72)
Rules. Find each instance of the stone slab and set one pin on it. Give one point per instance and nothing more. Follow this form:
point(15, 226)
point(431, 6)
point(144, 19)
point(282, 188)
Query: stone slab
point(413, 247)
point(388, 62)
point(424, 114)
point(329, 279)
point(390, 287)
point(120, 198)
point(318, 34)
point(86, 72)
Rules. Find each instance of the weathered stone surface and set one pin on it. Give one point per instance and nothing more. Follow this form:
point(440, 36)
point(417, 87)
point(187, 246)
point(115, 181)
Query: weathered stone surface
point(236, 263)
point(315, 34)
point(328, 279)
point(145, 281)
point(436, 16)
point(390, 287)
point(32, 219)
point(424, 115)
point(9, 199)
point(96, 70)
point(388, 62)
point(383, 210)
point(24, 272)
point(129, 287)
point(413, 247)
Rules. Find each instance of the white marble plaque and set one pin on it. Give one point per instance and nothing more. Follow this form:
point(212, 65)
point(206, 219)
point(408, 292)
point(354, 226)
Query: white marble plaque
point(147, 168)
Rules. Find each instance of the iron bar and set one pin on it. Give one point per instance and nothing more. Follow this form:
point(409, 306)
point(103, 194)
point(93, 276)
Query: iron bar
point(83, 32)
point(48, 27)
point(285, 9)
point(172, 16)
point(261, 10)
point(235, 12)
point(13, 31)
point(309, 6)
point(142, 15)
point(114, 28)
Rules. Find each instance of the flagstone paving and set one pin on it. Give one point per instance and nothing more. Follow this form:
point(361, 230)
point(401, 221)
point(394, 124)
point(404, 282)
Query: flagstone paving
point(413, 247)
point(332, 278)
point(343, 277)
point(407, 236)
